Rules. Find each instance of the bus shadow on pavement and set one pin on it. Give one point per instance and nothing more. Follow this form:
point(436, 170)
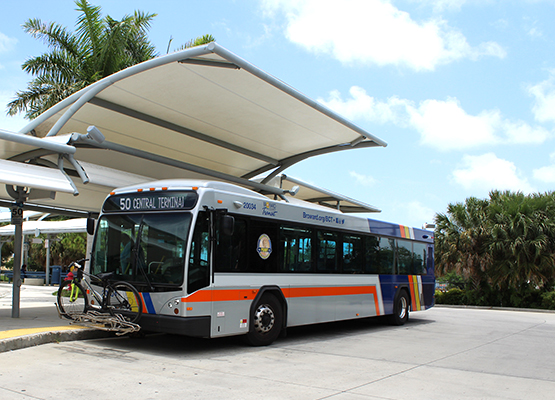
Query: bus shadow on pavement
point(190, 347)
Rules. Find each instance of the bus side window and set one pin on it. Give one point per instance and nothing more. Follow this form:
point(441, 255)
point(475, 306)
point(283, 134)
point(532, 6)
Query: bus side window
point(199, 267)
point(296, 246)
point(380, 255)
point(404, 257)
point(420, 258)
point(231, 252)
point(352, 254)
point(328, 247)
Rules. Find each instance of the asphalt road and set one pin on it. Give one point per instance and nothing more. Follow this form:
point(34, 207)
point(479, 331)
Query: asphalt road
point(443, 353)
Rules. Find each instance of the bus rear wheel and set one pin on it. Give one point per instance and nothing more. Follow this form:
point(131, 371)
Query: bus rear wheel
point(266, 321)
point(400, 308)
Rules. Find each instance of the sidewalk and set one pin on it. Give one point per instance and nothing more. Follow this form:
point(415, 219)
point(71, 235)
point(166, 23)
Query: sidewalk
point(38, 321)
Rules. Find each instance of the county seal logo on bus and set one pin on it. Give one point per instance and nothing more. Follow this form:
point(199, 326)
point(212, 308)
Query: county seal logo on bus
point(264, 246)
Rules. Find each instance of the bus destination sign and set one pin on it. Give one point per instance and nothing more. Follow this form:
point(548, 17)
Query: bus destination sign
point(151, 201)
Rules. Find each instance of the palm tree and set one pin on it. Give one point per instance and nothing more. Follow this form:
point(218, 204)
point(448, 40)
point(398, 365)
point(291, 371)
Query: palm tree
point(98, 48)
point(502, 244)
point(461, 240)
point(522, 242)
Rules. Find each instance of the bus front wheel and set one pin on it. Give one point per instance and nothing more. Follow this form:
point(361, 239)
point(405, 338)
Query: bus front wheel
point(400, 308)
point(266, 321)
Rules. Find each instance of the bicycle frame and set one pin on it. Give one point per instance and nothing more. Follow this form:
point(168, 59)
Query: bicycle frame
point(102, 301)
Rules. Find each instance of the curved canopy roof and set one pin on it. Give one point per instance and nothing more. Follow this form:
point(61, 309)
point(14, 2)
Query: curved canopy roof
point(202, 112)
point(314, 194)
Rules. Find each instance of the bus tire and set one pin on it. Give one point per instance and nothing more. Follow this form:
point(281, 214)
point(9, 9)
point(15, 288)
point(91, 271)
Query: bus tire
point(400, 308)
point(266, 321)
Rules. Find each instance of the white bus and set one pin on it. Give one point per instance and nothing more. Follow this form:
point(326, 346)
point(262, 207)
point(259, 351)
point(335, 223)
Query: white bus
point(213, 259)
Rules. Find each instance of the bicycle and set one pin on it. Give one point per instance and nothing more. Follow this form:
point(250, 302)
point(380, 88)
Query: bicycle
point(116, 298)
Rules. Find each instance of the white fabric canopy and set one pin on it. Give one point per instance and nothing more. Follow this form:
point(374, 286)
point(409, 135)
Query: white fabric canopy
point(198, 113)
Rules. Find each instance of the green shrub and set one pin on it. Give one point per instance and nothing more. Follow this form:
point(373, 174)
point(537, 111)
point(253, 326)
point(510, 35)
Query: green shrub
point(454, 296)
point(453, 280)
point(548, 300)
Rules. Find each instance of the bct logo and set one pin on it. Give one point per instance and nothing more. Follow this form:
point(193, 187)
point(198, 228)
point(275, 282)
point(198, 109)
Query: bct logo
point(269, 209)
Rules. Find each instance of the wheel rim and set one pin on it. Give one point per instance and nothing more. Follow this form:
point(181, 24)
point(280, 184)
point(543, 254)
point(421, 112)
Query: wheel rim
point(264, 319)
point(403, 307)
point(71, 305)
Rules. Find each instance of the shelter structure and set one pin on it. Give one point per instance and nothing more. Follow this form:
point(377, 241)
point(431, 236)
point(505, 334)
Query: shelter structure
point(201, 113)
point(307, 192)
point(48, 228)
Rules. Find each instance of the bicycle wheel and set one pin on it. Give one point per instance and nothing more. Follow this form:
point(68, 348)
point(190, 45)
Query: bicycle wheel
point(72, 299)
point(124, 299)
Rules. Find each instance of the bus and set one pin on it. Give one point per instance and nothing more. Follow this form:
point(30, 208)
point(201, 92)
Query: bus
point(213, 259)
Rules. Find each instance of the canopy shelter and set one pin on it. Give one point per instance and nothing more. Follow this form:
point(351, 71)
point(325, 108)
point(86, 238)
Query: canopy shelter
point(198, 113)
point(306, 192)
point(202, 112)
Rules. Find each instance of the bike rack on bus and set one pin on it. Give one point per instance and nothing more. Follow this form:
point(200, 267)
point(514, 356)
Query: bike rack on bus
point(105, 322)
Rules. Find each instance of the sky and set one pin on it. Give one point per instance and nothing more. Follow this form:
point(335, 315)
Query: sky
point(463, 91)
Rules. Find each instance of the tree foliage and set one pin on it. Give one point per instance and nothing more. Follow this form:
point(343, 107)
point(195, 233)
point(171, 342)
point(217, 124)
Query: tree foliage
point(99, 47)
point(503, 246)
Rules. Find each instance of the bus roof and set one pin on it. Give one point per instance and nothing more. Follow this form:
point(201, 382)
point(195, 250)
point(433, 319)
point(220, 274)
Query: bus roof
point(201, 113)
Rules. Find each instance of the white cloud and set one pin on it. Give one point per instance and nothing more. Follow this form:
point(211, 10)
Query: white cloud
point(521, 133)
point(443, 5)
point(420, 213)
point(364, 107)
point(446, 126)
point(6, 43)
point(412, 213)
point(546, 174)
point(364, 180)
point(374, 32)
point(544, 93)
point(443, 125)
point(488, 172)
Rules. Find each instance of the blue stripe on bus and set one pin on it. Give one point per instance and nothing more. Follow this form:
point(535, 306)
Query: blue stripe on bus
point(148, 303)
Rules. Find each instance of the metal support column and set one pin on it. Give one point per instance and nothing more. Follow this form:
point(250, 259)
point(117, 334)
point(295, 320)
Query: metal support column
point(18, 250)
point(47, 273)
point(19, 194)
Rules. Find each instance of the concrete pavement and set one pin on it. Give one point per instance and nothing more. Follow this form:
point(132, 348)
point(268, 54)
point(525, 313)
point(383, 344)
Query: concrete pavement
point(442, 353)
point(38, 321)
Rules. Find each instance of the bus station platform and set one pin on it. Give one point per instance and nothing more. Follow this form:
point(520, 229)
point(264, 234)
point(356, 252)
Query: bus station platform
point(38, 321)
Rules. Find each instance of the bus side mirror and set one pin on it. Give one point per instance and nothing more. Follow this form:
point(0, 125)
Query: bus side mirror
point(228, 225)
point(90, 226)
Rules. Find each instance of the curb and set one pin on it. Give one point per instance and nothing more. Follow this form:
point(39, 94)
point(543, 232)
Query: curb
point(535, 310)
point(55, 336)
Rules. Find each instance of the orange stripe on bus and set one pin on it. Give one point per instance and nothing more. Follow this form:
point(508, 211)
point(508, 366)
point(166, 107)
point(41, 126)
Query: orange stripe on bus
point(331, 291)
point(250, 294)
point(411, 288)
point(145, 311)
point(221, 295)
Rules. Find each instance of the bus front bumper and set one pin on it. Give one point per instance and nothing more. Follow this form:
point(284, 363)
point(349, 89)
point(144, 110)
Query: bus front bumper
point(188, 326)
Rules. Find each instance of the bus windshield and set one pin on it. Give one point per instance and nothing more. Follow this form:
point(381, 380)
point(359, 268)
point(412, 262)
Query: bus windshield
point(142, 248)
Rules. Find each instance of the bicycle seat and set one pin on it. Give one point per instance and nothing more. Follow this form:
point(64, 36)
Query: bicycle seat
point(105, 276)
